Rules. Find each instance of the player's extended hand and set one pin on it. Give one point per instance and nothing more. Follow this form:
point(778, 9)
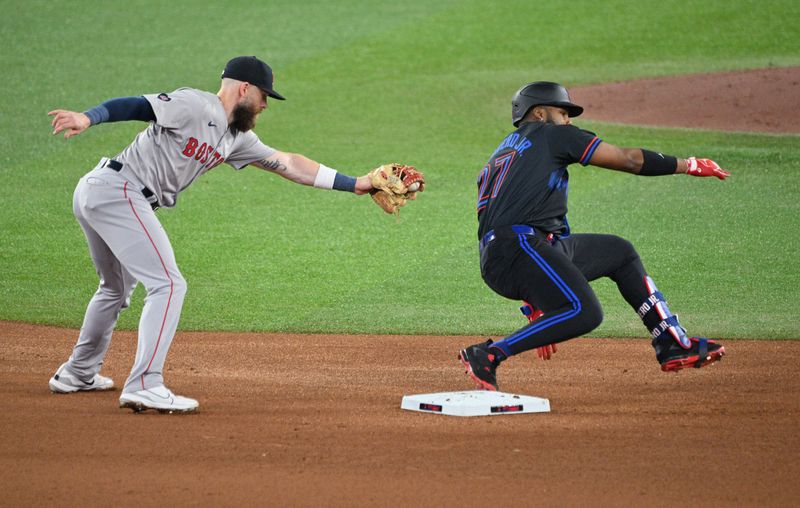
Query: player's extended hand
point(363, 184)
point(705, 167)
point(69, 121)
point(546, 352)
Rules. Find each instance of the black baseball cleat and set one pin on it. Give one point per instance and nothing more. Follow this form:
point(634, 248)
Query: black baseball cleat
point(673, 357)
point(481, 365)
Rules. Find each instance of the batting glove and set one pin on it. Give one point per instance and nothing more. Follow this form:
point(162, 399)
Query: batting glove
point(705, 167)
point(545, 352)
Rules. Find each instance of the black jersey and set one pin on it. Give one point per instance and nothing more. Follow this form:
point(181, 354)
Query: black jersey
point(525, 180)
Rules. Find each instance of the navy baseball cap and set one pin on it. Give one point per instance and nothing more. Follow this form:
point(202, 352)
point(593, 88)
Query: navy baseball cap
point(254, 71)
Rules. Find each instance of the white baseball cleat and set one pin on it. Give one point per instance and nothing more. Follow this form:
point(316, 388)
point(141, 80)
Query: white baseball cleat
point(64, 382)
point(160, 399)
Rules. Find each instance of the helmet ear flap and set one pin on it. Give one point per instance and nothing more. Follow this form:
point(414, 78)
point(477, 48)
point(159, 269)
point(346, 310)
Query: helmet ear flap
point(519, 111)
point(520, 105)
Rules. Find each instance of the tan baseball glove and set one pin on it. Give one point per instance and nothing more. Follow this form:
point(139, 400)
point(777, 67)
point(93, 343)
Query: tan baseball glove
point(394, 185)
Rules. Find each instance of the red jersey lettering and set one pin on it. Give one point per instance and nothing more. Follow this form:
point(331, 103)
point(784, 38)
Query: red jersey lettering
point(190, 148)
point(200, 152)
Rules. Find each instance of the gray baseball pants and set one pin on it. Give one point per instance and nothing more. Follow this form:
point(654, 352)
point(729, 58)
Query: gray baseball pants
point(127, 244)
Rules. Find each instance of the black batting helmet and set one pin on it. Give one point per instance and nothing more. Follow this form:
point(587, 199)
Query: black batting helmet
point(541, 93)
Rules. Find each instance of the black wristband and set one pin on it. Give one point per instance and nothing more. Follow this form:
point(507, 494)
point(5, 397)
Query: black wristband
point(657, 164)
point(344, 183)
point(97, 114)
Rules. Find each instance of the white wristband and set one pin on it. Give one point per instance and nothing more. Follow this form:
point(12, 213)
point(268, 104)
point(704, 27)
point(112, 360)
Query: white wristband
point(691, 165)
point(325, 177)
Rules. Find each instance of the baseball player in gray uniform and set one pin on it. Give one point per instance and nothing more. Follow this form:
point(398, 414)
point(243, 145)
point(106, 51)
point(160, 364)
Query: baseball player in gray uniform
point(190, 133)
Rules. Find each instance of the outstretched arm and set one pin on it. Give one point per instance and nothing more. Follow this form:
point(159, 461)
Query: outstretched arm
point(644, 162)
point(70, 121)
point(113, 110)
point(300, 169)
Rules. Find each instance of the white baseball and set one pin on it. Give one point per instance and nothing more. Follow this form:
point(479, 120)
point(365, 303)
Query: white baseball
point(413, 187)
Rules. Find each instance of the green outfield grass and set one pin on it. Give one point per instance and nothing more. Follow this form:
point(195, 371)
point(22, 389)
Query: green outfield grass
point(426, 83)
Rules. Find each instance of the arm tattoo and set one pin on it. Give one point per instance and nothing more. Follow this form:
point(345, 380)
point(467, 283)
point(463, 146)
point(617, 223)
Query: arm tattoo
point(272, 165)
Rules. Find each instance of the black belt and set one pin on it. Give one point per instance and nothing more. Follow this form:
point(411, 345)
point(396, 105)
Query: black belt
point(517, 229)
point(147, 193)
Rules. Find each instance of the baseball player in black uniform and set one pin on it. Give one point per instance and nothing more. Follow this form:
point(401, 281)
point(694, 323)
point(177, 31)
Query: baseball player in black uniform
point(528, 253)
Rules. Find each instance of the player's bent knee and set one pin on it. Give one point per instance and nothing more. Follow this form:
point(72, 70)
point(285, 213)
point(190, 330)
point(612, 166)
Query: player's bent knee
point(112, 292)
point(591, 315)
point(179, 285)
point(626, 249)
point(174, 285)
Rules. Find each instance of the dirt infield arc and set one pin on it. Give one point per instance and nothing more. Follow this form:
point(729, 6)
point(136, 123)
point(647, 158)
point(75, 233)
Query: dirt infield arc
point(757, 100)
point(314, 420)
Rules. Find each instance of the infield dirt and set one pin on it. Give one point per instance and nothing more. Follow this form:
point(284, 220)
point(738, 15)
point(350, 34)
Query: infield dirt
point(315, 420)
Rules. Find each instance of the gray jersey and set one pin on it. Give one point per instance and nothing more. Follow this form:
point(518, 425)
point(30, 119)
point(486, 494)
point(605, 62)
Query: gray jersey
point(189, 137)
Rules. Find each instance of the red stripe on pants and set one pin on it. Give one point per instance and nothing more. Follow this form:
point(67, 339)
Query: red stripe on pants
point(169, 298)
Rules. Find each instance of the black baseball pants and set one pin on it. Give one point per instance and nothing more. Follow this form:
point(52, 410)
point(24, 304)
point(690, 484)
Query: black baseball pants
point(554, 277)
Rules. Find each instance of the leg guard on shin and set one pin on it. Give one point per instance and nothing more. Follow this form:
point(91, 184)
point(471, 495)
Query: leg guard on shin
point(674, 350)
point(655, 309)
